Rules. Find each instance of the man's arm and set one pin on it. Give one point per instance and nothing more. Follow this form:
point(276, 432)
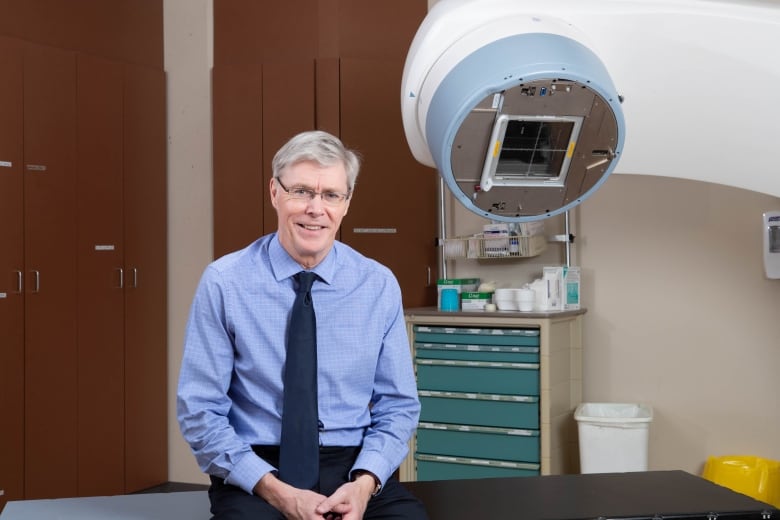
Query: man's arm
point(202, 400)
point(395, 407)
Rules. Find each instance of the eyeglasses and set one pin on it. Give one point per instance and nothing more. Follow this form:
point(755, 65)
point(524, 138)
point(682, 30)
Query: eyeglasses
point(329, 198)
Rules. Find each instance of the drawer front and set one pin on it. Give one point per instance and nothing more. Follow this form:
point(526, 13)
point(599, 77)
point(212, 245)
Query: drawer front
point(478, 376)
point(480, 442)
point(477, 336)
point(491, 353)
point(432, 467)
point(500, 411)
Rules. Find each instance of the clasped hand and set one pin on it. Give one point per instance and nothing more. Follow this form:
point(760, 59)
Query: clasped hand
point(348, 502)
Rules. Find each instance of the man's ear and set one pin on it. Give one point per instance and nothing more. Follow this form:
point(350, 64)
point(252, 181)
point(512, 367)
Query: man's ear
point(272, 187)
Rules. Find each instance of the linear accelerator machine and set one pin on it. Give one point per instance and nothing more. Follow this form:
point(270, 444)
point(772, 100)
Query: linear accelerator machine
point(523, 107)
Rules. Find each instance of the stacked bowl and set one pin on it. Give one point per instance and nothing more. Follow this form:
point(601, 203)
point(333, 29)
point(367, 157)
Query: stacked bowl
point(506, 299)
point(511, 299)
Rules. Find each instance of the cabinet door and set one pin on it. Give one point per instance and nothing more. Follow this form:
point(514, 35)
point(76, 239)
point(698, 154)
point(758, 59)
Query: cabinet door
point(51, 368)
point(100, 297)
point(11, 272)
point(238, 158)
point(393, 215)
point(146, 258)
point(256, 109)
point(288, 108)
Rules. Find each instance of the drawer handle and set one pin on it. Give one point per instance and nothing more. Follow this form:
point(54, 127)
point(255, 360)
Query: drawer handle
point(477, 462)
point(520, 432)
point(479, 397)
point(478, 364)
point(490, 349)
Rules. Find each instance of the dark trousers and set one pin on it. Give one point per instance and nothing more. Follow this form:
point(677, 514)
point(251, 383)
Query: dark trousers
point(395, 502)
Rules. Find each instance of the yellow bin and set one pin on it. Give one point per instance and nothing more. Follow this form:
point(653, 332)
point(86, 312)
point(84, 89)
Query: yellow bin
point(755, 477)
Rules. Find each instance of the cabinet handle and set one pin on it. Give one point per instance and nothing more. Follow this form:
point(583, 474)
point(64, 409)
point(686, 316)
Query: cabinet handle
point(19, 282)
point(121, 277)
point(37, 284)
point(477, 364)
point(135, 278)
point(428, 283)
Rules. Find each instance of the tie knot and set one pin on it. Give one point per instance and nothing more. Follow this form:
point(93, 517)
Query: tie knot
point(305, 281)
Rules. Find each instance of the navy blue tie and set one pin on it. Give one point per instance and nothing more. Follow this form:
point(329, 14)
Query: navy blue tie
point(299, 457)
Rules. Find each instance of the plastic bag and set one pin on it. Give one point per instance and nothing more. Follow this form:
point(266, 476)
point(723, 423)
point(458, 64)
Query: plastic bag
point(753, 476)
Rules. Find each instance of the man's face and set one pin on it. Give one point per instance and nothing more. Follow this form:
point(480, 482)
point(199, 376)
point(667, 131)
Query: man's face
point(308, 227)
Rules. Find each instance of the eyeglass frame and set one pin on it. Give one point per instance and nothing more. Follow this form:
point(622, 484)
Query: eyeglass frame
point(309, 194)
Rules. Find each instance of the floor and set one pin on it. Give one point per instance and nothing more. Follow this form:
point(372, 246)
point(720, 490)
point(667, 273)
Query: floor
point(164, 502)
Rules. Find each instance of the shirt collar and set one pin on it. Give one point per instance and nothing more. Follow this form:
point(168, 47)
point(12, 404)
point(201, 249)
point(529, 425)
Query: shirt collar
point(283, 265)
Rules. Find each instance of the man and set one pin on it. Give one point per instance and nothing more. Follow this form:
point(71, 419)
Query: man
point(232, 384)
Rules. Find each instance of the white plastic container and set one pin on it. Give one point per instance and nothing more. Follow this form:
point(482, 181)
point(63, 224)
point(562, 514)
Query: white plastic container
point(505, 298)
point(613, 436)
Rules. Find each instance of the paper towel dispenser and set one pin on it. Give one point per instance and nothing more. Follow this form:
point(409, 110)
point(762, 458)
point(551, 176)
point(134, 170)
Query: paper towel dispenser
point(516, 111)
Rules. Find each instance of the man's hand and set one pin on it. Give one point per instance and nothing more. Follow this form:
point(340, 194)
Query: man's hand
point(349, 501)
point(293, 503)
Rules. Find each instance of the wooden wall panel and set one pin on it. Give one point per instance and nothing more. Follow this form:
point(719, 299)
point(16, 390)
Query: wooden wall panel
point(100, 298)
point(255, 110)
point(146, 260)
point(250, 32)
point(11, 271)
point(125, 30)
point(382, 30)
point(237, 156)
point(288, 108)
point(391, 178)
point(51, 367)
point(328, 94)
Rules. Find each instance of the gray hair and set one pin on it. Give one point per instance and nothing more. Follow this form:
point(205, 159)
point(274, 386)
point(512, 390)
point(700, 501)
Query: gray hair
point(321, 147)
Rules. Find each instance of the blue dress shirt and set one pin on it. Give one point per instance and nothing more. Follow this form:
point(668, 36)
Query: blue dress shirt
point(230, 384)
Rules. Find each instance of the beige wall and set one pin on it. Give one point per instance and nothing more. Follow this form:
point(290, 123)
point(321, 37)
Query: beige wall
point(679, 316)
point(188, 51)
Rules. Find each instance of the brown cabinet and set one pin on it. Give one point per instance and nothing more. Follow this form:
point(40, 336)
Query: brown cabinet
point(237, 155)
point(82, 283)
point(11, 272)
point(393, 216)
point(145, 296)
point(50, 273)
point(100, 317)
point(335, 66)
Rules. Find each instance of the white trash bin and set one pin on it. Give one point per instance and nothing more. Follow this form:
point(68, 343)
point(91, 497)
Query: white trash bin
point(613, 436)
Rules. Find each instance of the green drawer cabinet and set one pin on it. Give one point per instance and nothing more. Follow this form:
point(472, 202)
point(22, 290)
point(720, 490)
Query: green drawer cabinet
point(478, 376)
point(483, 442)
point(498, 392)
point(477, 336)
point(507, 411)
point(495, 354)
point(435, 467)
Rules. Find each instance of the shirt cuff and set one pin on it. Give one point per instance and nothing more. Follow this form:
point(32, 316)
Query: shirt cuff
point(248, 472)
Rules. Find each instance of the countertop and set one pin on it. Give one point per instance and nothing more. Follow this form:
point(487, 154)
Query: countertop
point(434, 311)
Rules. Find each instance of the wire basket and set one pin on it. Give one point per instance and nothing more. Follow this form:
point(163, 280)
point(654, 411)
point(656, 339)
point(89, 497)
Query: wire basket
point(495, 247)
